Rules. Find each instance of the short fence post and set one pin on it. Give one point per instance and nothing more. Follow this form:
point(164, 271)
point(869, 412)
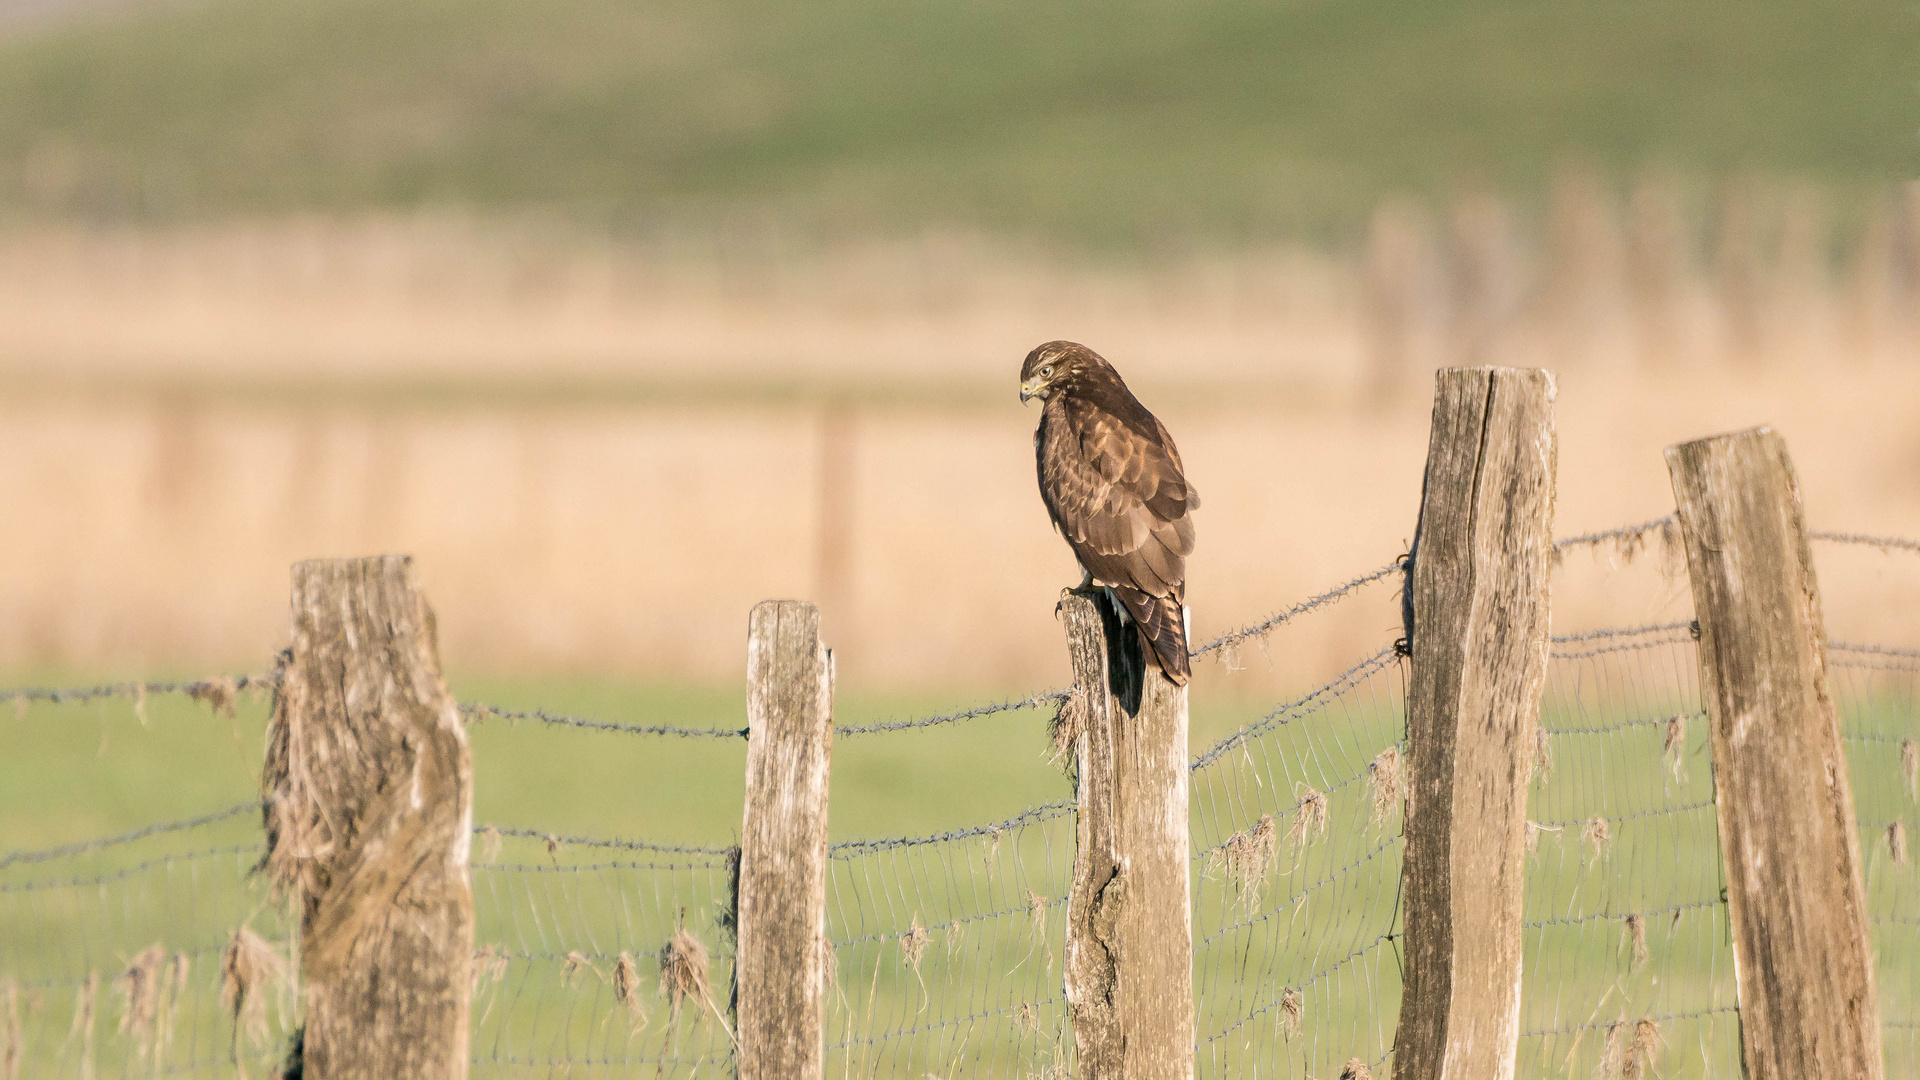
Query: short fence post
point(1478, 592)
point(1788, 837)
point(1129, 955)
point(369, 791)
point(781, 899)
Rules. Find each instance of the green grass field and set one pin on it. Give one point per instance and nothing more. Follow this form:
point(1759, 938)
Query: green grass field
point(1125, 127)
point(946, 954)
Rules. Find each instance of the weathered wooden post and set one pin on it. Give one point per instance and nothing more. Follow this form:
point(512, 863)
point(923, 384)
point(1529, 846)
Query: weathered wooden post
point(369, 814)
point(1129, 956)
point(780, 976)
point(1788, 838)
point(1478, 595)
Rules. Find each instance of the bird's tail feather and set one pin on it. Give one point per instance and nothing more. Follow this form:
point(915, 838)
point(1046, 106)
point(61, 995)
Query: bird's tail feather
point(1164, 626)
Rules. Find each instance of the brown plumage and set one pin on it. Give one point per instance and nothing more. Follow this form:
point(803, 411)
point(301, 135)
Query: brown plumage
point(1114, 487)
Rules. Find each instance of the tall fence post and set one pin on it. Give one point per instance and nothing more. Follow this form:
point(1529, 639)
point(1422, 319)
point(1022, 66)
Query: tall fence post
point(369, 793)
point(781, 898)
point(1479, 639)
point(1129, 959)
point(1791, 847)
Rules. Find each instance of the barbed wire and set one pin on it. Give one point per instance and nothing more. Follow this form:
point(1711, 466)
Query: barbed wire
point(127, 871)
point(1269, 624)
point(208, 689)
point(1287, 712)
point(1623, 533)
point(1042, 698)
point(553, 840)
point(847, 849)
point(479, 712)
point(1658, 1019)
point(1887, 544)
point(131, 835)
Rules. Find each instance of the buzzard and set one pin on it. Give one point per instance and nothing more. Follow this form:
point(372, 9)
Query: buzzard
point(1114, 487)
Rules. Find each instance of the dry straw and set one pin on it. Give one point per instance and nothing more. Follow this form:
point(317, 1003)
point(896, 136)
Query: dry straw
point(1383, 779)
point(1245, 858)
point(142, 984)
point(1596, 834)
point(1063, 731)
point(1637, 939)
point(1910, 765)
point(626, 989)
point(83, 1022)
point(249, 969)
point(683, 975)
point(576, 962)
point(1026, 1018)
point(1355, 1069)
point(10, 1057)
point(1675, 748)
point(1291, 1011)
point(1642, 1051)
point(220, 695)
point(1309, 819)
point(1897, 842)
point(1542, 753)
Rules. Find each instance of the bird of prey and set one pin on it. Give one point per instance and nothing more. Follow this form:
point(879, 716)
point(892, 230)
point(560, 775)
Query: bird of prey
point(1115, 488)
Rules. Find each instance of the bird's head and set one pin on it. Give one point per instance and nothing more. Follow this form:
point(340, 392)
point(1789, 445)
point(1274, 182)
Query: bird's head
point(1052, 366)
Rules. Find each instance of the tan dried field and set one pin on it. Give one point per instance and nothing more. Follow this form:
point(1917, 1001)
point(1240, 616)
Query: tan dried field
point(602, 464)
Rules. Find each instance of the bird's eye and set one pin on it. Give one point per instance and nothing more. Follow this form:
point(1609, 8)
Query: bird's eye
point(1046, 372)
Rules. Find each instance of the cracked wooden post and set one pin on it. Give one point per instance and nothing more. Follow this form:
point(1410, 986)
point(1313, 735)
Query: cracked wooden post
point(781, 899)
point(369, 791)
point(1788, 838)
point(1129, 953)
point(1478, 592)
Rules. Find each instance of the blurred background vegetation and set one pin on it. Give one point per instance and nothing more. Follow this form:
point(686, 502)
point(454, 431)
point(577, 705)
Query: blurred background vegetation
point(1115, 128)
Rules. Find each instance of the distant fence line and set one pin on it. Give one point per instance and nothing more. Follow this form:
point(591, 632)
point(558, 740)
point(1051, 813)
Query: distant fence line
point(989, 949)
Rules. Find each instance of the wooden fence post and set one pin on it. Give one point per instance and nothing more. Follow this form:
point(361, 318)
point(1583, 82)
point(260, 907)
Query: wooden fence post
point(369, 790)
point(780, 976)
point(1129, 954)
point(1788, 838)
point(1478, 590)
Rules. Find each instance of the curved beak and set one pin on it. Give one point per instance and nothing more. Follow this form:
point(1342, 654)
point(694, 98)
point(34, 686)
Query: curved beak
point(1029, 390)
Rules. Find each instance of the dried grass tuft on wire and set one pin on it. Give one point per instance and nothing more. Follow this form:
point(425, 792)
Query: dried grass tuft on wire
point(249, 971)
point(221, 696)
point(1910, 766)
point(1355, 1069)
point(1674, 750)
point(83, 1020)
point(1897, 842)
point(1063, 731)
point(142, 984)
point(1383, 781)
point(1542, 754)
point(10, 1027)
point(683, 975)
point(1597, 835)
point(1637, 940)
point(1309, 819)
point(1245, 858)
point(626, 990)
point(1292, 1010)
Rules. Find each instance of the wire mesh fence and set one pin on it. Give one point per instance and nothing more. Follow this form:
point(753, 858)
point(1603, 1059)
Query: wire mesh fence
point(157, 951)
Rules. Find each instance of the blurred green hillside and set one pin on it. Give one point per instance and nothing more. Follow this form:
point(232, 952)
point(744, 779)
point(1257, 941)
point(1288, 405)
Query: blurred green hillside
point(1111, 125)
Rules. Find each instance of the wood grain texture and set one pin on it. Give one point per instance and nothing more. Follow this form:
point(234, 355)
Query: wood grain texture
point(780, 977)
point(1129, 954)
point(1788, 837)
point(369, 788)
point(1479, 610)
